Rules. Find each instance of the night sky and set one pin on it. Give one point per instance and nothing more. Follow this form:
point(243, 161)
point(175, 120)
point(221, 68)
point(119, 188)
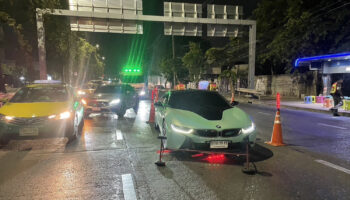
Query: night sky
point(117, 47)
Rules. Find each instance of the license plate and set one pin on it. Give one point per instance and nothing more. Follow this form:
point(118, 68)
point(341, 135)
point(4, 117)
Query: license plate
point(219, 144)
point(96, 109)
point(28, 132)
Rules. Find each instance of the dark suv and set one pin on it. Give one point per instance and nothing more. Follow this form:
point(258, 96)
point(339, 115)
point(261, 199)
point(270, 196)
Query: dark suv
point(112, 98)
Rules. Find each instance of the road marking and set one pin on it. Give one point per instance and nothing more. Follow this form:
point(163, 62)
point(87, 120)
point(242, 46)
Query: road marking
point(128, 187)
point(264, 113)
point(119, 135)
point(333, 166)
point(338, 127)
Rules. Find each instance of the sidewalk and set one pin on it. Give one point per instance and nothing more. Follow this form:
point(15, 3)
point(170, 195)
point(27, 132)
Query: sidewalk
point(290, 103)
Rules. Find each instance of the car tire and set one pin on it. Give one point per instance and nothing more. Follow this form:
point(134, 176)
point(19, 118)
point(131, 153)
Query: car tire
point(73, 131)
point(136, 106)
point(81, 126)
point(163, 133)
point(121, 112)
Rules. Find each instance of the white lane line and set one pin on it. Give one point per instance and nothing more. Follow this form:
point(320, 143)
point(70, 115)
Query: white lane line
point(119, 135)
point(333, 166)
point(128, 187)
point(338, 127)
point(264, 113)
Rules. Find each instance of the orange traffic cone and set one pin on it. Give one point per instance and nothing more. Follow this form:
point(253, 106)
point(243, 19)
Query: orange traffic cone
point(152, 111)
point(151, 114)
point(276, 139)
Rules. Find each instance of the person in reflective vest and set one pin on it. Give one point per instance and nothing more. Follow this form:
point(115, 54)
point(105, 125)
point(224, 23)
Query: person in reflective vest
point(212, 85)
point(336, 92)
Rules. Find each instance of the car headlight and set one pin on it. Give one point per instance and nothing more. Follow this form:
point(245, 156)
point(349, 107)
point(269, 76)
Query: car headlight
point(180, 129)
point(80, 92)
point(142, 93)
point(65, 115)
point(249, 129)
point(6, 118)
point(114, 102)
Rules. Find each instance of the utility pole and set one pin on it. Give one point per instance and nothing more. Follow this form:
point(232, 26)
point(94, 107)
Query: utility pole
point(41, 44)
point(173, 44)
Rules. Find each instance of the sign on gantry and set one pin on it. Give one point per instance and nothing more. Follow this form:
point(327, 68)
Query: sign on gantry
point(92, 24)
point(125, 16)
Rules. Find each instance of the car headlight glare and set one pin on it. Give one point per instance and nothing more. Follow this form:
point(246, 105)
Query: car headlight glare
point(52, 116)
point(80, 92)
point(8, 118)
point(142, 93)
point(114, 102)
point(65, 115)
point(249, 129)
point(180, 129)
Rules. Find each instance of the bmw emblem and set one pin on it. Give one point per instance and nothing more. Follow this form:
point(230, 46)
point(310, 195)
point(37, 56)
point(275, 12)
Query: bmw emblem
point(218, 126)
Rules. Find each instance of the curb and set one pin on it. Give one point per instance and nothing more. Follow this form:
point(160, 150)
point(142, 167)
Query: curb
point(247, 101)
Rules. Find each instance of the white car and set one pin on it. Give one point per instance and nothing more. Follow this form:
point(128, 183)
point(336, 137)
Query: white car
point(198, 119)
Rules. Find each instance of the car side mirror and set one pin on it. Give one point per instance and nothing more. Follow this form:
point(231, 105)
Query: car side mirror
point(158, 104)
point(234, 103)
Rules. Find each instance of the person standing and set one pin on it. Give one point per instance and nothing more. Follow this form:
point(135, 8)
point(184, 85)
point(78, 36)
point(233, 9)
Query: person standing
point(212, 85)
point(337, 95)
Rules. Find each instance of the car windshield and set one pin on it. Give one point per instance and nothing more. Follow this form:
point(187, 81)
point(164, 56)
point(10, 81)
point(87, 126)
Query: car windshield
point(111, 89)
point(40, 94)
point(197, 100)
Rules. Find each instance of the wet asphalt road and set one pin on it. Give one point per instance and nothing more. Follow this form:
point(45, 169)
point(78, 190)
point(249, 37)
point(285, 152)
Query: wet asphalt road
point(114, 159)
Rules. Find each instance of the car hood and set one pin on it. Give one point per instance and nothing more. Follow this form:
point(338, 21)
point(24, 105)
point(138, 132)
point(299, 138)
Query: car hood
point(104, 96)
point(231, 118)
point(37, 109)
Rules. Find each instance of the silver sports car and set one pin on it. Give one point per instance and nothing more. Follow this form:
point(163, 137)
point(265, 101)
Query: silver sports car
point(199, 119)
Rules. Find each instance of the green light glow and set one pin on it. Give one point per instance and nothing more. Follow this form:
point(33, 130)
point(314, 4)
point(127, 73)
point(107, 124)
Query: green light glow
point(133, 69)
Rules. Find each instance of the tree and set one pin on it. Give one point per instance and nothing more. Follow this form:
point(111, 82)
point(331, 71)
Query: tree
point(65, 49)
point(215, 57)
point(169, 67)
point(194, 62)
point(297, 28)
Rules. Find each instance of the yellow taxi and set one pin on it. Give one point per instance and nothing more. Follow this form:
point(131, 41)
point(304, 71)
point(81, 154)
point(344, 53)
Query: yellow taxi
point(43, 109)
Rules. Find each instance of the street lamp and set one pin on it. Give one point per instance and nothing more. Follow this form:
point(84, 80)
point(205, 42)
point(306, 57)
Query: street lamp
point(103, 58)
point(97, 46)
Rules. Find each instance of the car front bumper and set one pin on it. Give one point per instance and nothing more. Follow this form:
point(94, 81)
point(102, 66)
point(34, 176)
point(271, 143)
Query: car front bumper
point(103, 109)
point(191, 141)
point(49, 128)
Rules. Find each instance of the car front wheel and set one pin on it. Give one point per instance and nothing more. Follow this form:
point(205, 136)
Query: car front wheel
point(136, 106)
point(73, 131)
point(121, 112)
